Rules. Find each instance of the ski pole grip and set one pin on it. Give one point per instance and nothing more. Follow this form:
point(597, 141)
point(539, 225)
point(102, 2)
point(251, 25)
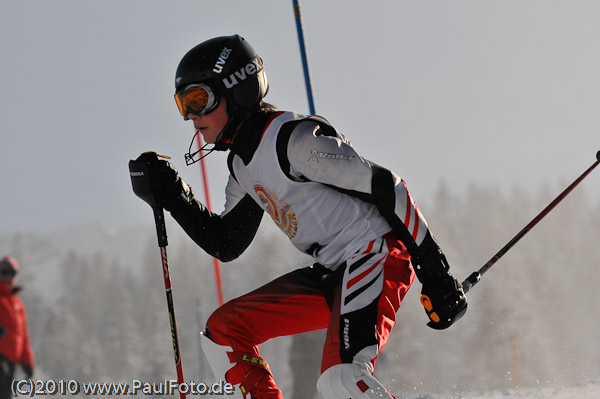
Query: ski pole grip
point(471, 281)
point(140, 182)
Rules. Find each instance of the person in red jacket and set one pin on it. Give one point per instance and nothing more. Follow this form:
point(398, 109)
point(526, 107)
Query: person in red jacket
point(14, 337)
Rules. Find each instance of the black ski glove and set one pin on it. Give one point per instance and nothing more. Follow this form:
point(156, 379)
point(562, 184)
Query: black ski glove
point(442, 295)
point(168, 189)
point(444, 301)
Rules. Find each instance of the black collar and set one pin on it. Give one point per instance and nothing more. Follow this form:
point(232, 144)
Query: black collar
point(247, 138)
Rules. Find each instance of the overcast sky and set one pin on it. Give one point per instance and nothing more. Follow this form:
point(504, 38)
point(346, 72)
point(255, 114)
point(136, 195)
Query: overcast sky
point(499, 93)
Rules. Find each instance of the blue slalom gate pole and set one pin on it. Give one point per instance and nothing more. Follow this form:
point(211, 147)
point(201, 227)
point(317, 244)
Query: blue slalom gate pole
point(311, 104)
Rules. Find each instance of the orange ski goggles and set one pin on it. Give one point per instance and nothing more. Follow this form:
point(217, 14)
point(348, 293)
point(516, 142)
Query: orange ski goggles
point(198, 99)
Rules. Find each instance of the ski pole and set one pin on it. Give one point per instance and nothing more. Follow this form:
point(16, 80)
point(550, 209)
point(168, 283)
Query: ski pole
point(298, 16)
point(476, 275)
point(138, 170)
point(216, 264)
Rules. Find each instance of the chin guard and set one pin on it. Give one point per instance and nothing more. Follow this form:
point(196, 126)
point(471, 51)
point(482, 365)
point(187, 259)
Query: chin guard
point(191, 157)
point(223, 142)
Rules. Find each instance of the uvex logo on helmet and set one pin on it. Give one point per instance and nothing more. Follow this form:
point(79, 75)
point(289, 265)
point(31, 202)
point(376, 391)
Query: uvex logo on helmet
point(221, 60)
point(251, 69)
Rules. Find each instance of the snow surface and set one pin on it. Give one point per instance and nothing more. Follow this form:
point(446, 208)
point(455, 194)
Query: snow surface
point(589, 390)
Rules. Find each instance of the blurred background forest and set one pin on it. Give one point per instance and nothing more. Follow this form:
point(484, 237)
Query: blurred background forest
point(97, 309)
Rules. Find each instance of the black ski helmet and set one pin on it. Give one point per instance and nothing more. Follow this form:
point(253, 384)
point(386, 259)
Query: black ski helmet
point(230, 66)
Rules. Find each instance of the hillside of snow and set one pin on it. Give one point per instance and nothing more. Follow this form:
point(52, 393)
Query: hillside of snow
point(589, 390)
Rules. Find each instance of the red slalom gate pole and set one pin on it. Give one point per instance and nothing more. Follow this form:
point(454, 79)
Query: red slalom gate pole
point(216, 265)
point(476, 275)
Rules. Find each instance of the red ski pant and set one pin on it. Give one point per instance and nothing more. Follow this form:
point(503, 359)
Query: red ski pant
point(357, 304)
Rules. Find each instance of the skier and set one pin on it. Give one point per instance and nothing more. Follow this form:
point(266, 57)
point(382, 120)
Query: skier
point(354, 217)
point(14, 337)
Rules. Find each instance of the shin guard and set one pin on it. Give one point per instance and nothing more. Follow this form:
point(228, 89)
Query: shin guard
point(223, 359)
